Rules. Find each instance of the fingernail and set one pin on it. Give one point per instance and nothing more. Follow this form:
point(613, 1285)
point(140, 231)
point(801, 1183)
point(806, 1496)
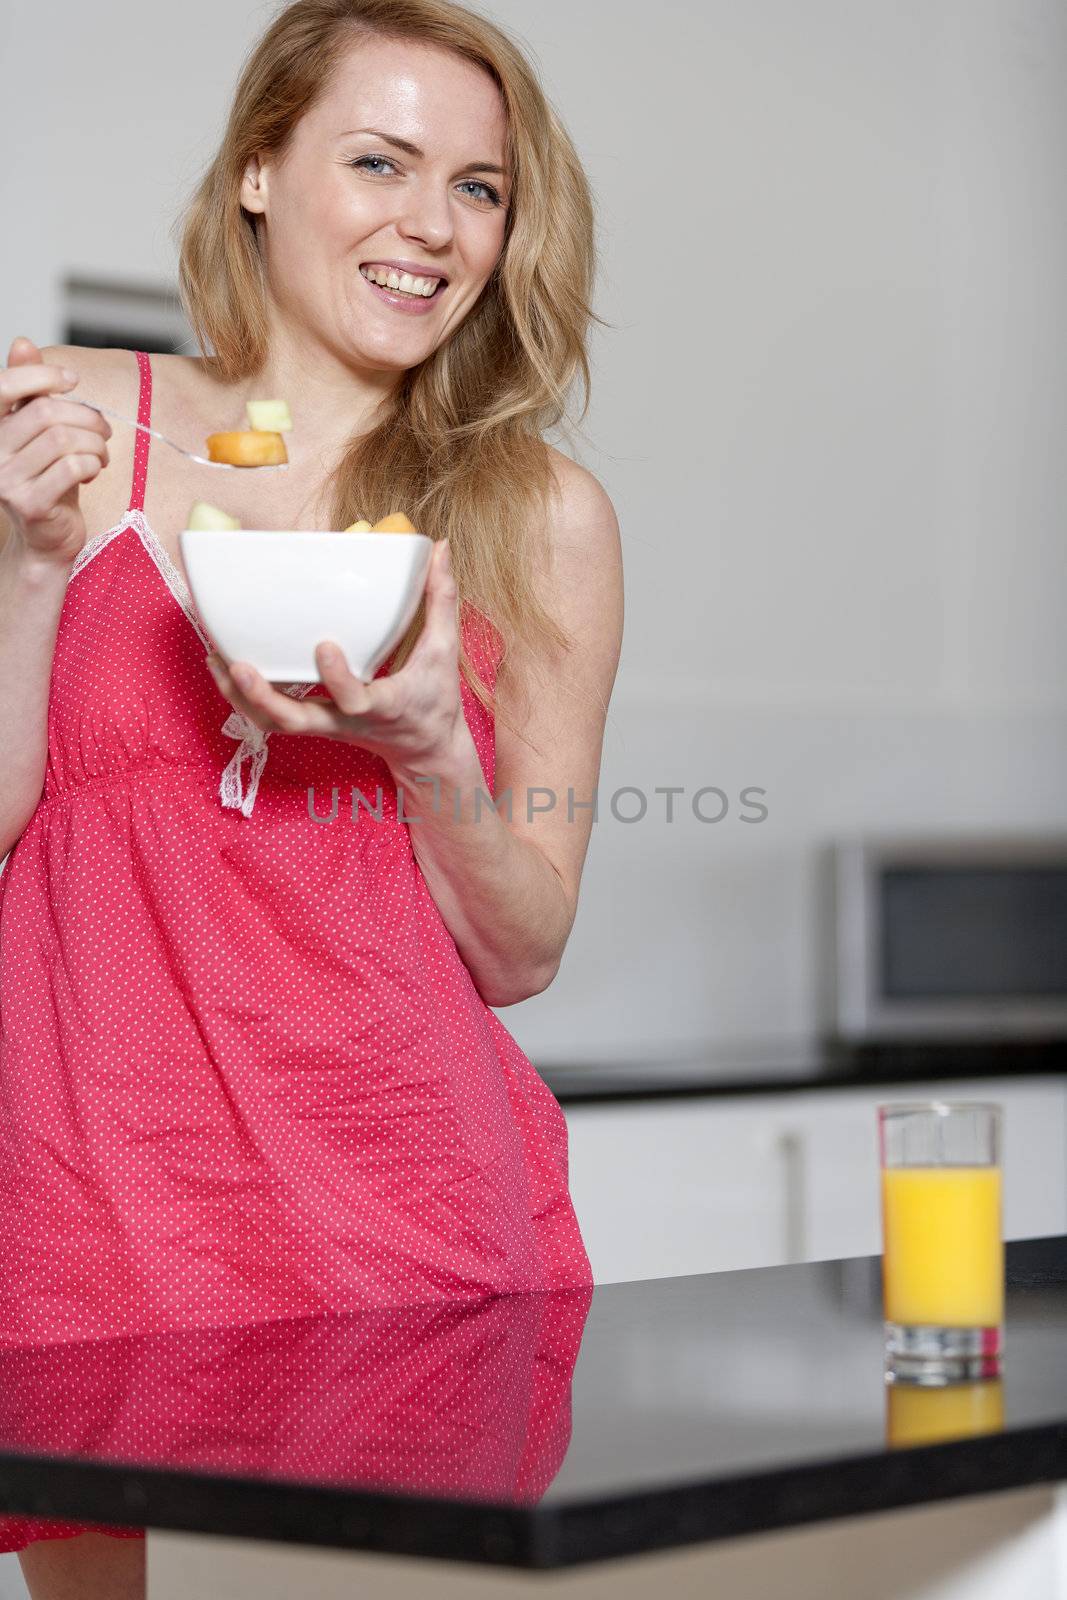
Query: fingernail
point(71, 377)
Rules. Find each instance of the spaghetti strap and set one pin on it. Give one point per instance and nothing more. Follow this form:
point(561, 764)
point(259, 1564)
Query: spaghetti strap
point(144, 416)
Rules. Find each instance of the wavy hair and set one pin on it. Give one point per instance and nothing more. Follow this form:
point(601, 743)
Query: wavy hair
point(459, 444)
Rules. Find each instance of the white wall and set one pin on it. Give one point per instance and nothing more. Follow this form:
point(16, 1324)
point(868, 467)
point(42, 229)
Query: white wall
point(836, 455)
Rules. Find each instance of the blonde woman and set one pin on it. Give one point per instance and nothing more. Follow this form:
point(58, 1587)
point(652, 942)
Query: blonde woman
point(248, 1065)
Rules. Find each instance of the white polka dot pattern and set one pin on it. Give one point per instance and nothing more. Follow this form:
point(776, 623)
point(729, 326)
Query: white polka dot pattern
point(244, 1071)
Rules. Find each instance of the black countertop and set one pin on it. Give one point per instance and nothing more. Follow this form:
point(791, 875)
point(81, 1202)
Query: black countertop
point(780, 1069)
point(537, 1430)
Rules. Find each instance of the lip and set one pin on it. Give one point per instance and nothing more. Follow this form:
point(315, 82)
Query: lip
point(413, 267)
point(406, 304)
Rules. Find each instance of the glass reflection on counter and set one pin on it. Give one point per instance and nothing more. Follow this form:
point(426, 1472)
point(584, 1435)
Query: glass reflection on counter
point(917, 1414)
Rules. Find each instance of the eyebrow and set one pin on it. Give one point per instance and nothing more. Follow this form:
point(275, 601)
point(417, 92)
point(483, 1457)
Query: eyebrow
point(413, 149)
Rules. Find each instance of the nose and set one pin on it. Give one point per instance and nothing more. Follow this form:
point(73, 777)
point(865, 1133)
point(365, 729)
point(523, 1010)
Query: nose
point(426, 215)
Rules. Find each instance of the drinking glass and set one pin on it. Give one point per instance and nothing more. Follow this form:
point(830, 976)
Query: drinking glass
point(942, 1241)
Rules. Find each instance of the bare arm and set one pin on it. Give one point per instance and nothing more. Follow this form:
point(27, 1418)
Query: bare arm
point(49, 447)
point(508, 889)
point(31, 599)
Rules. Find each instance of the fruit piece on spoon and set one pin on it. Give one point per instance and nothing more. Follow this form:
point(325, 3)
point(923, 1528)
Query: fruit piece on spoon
point(255, 448)
point(360, 527)
point(203, 515)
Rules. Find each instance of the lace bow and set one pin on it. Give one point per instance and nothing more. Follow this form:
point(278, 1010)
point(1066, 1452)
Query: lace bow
point(253, 746)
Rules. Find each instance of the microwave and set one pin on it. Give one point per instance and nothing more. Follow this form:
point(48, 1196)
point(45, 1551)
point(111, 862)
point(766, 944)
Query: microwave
point(949, 938)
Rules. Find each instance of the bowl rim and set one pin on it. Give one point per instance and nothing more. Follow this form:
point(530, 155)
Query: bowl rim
point(310, 533)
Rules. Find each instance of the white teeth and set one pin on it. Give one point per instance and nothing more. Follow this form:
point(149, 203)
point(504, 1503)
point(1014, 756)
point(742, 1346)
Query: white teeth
point(389, 278)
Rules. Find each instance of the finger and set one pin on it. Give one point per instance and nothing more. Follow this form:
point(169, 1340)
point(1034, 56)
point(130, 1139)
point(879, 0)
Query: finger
point(278, 712)
point(23, 351)
point(26, 375)
point(224, 680)
point(41, 413)
point(257, 699)
point(34, 499)
point(445, 590)
point(441, 629)
point(350, 694)
point(38, 452)
point(241, 679)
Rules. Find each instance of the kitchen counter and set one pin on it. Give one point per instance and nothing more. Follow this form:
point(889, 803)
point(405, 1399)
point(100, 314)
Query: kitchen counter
point(776, 1069)
point(536, 1431)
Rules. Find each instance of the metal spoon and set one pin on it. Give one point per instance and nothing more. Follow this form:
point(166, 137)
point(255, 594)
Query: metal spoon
point(271, 466)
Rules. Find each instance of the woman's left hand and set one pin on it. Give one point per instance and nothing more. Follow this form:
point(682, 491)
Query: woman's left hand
point(406, 718)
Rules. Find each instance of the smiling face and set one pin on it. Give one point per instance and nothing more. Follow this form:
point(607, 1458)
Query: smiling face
point(343, 200)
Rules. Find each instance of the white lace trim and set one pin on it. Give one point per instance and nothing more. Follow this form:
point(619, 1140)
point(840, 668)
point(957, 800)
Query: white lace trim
point(253, 739)
point(253, 746)
point(94, 545)
point(157, 550)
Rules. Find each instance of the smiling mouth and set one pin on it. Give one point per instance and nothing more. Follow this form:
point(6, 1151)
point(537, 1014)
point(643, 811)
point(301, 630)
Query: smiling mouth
point(416, 288)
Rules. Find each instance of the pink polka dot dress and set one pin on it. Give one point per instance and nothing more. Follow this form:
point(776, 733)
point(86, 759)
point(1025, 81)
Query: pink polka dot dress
point(244, 1071)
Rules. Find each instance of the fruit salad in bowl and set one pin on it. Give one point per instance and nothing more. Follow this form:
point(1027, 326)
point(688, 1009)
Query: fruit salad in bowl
point(270, 595)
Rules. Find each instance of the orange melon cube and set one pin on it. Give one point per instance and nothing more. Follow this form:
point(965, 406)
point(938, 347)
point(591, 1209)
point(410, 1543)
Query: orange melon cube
point(249, 449)
point(395, 522)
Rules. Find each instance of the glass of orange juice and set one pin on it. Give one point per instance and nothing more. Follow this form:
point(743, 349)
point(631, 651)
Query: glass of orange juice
point(943, 1249)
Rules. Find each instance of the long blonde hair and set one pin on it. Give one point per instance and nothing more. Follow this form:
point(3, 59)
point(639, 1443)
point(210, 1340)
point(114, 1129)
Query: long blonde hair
point(459, 446)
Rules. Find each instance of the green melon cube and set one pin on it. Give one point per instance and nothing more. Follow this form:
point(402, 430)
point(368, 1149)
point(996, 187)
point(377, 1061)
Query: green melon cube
point(203, 515)
point(269, 416)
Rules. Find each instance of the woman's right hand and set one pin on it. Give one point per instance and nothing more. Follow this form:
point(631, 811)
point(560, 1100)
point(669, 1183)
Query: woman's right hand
point(48, 446)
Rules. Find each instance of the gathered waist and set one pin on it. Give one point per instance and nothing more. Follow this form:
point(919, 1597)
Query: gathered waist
point(134, 772)
point(141, 771)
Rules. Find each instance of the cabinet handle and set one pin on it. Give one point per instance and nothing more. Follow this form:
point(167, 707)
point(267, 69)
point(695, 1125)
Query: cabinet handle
point(791, 1150)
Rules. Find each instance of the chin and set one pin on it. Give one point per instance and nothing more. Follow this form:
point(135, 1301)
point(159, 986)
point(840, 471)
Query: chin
point(396, 354)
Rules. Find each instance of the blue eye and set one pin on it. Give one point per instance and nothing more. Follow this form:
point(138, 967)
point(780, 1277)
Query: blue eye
point(369, 158)
point(494, 198)
point(491, 194)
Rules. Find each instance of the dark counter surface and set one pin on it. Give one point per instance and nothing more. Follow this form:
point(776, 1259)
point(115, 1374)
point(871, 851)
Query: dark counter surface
point(781, 1069)
point(537, 1430)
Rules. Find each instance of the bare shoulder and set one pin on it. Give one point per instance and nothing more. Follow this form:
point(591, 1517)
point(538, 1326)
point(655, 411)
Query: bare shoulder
point(586, 547)
point(580, 581)
point(582, 501)
point(116, 370)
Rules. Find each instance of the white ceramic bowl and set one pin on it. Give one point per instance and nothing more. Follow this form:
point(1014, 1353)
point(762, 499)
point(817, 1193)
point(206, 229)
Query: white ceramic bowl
point(269, 596)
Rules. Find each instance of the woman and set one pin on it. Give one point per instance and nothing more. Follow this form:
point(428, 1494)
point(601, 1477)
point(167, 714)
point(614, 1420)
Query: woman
point(247, 1060)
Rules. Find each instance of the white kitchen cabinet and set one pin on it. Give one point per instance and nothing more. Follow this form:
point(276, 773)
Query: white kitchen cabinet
point(667, 1187)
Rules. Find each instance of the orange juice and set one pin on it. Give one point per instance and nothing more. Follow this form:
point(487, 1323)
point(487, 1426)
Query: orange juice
point(943, 1262)
point(917, 1415)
